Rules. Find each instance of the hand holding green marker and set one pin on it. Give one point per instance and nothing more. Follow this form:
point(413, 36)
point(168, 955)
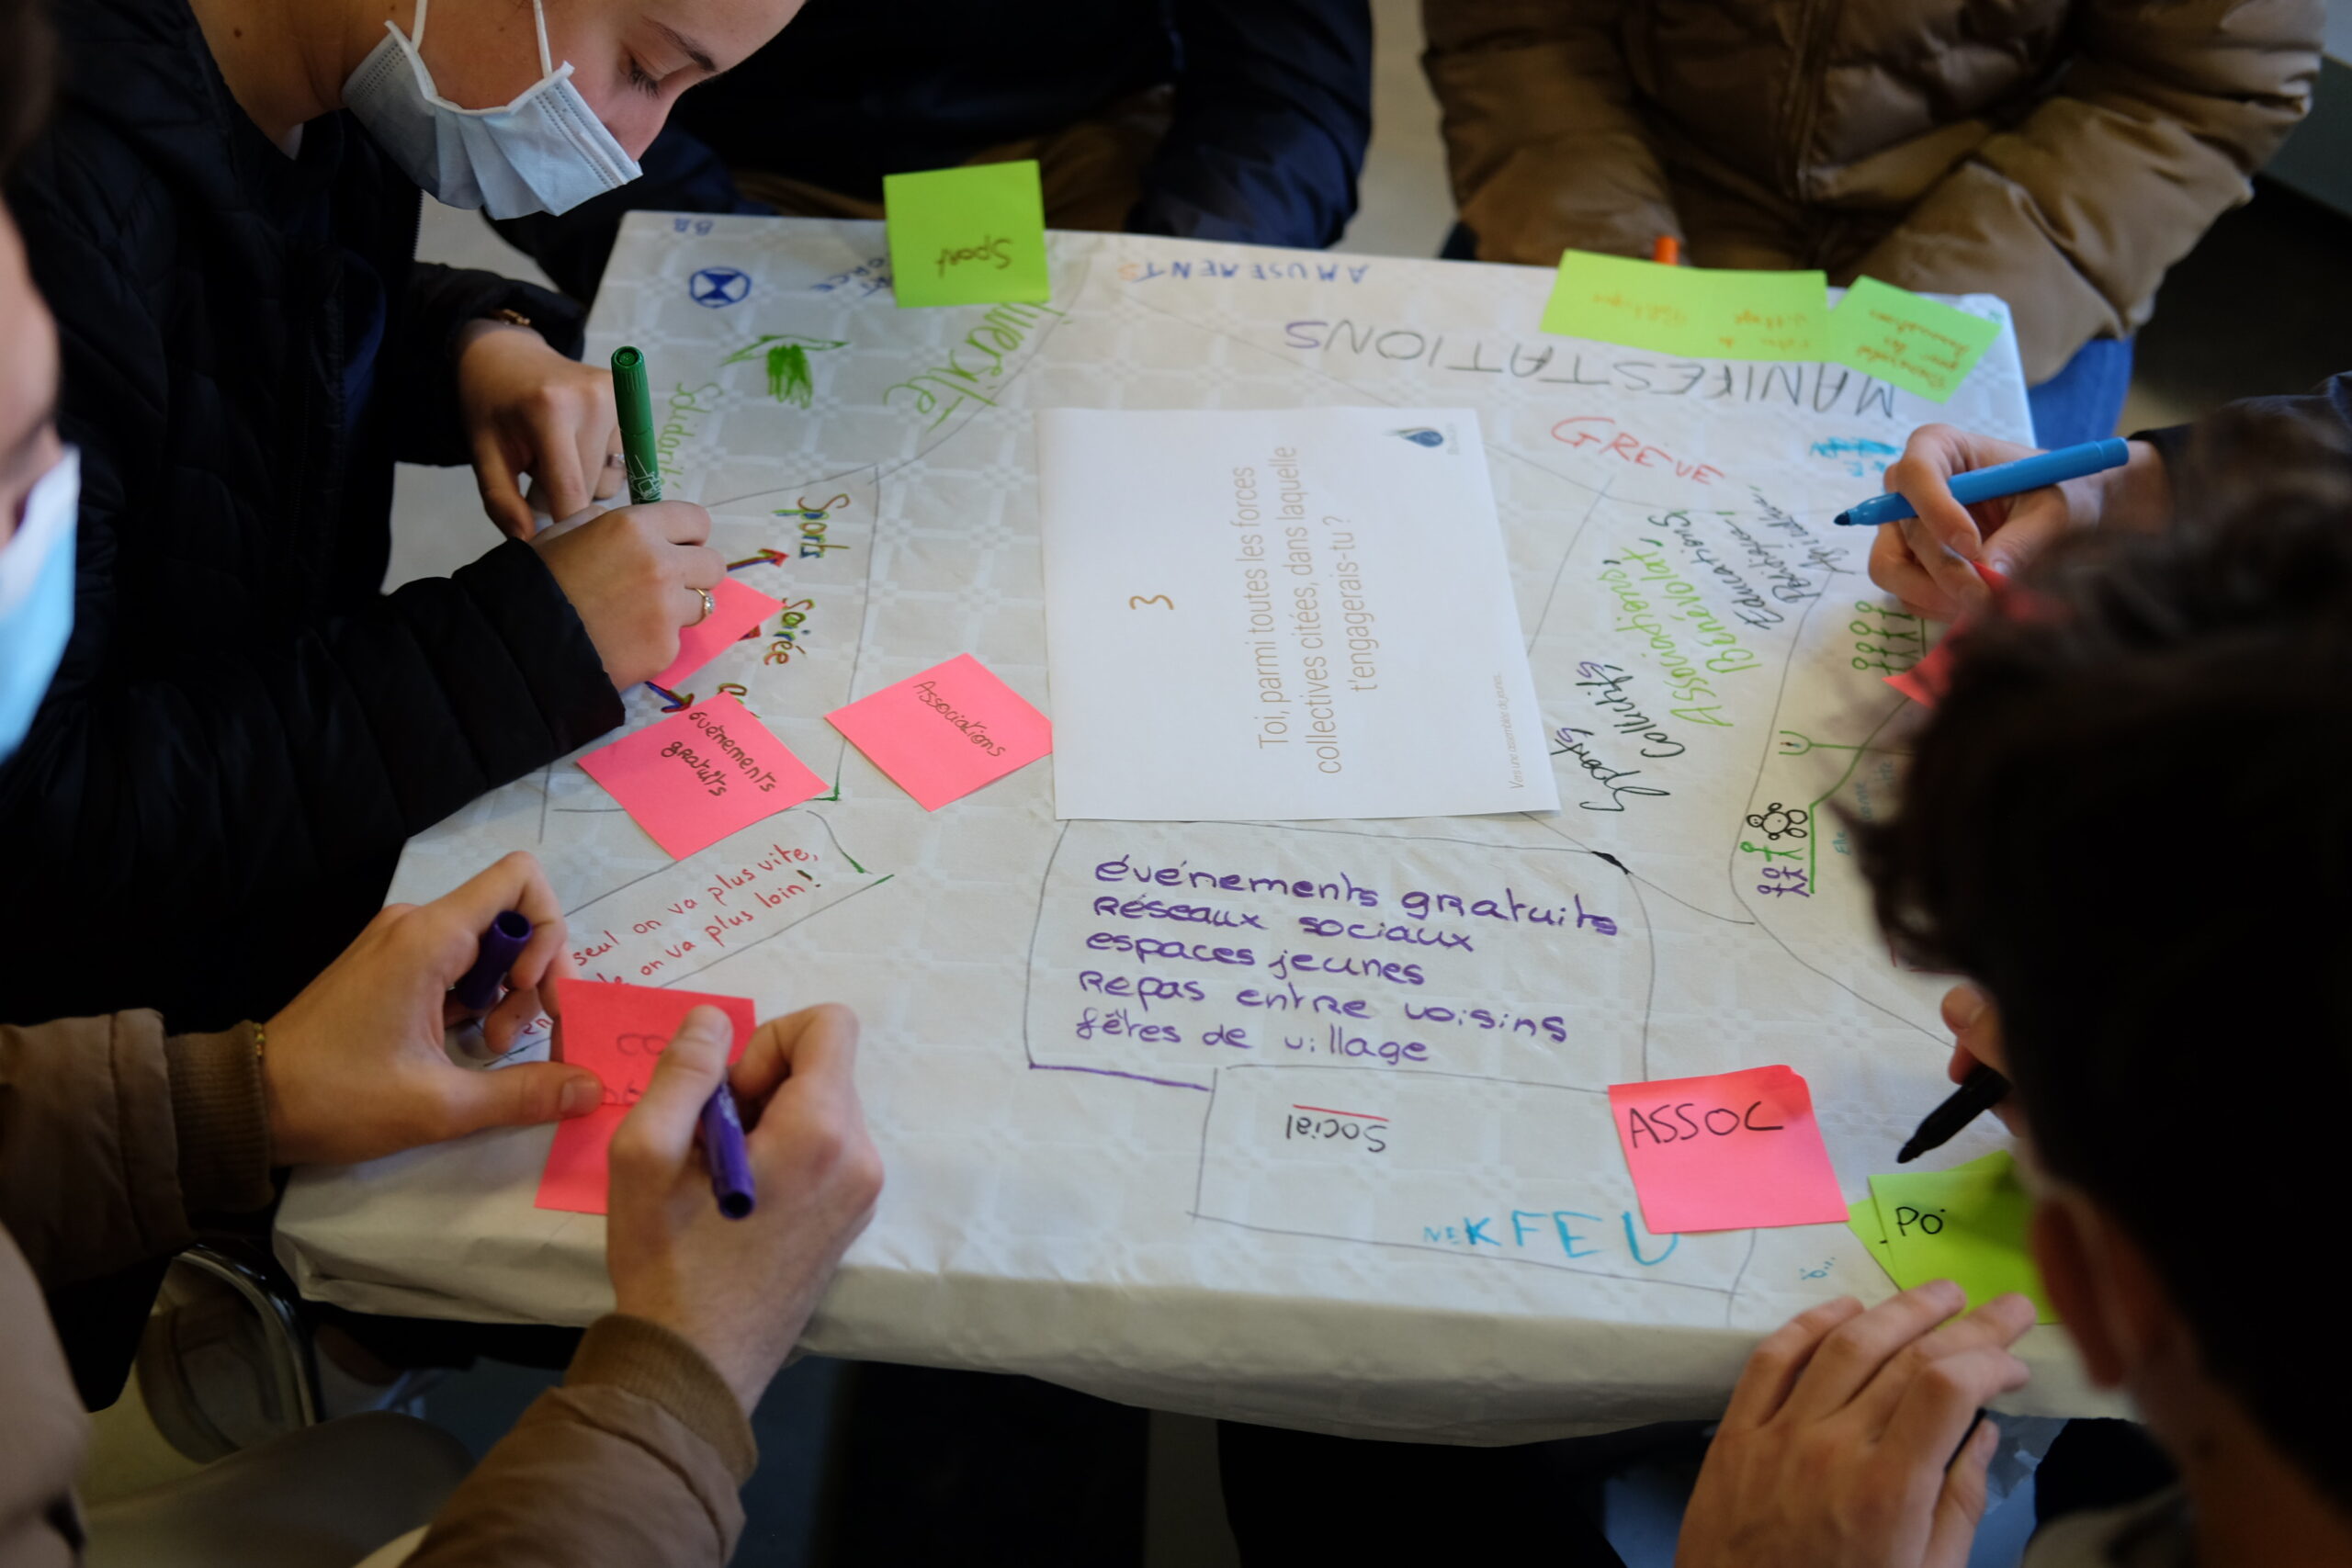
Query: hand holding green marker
point(635, 406)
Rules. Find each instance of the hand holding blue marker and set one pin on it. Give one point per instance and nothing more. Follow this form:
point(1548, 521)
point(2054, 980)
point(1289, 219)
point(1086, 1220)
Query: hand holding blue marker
point(2000, 479)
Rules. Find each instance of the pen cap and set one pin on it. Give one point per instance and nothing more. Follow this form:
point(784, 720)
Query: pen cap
point(477, 989)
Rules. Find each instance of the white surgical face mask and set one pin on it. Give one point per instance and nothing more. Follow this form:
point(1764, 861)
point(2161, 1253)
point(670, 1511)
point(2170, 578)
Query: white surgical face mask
point(547, 152)
point(37, 597)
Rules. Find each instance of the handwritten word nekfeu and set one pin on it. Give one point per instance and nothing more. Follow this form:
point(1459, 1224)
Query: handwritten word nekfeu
point(1599, 431)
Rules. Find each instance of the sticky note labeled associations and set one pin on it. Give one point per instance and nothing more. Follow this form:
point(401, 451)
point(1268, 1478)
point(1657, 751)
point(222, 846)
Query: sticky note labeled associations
point(700, 775)
point(1966, 1225)
point(970, 236)
point(1921, 345)
point(943, 734)
point(1726, 1152)
point(617, 1032)
point(1688, 311)
point(736, 609)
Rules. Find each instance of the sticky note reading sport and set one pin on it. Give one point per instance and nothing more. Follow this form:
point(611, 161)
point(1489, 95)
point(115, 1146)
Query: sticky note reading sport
point(1692, 313)
point(943, 734)
point(970, 236)
point(617, 1032)
point(1726, 1152)
point(1918, 345)
point(700, 775)
point(736, 610)
point(1966, 1225)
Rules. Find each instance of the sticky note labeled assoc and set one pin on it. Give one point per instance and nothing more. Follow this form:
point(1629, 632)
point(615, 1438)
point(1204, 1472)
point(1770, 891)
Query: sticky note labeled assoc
point(617, 1032)
point(736, 609)
point(943, 734)
point(1921, 345)
point(1688, 311)
point(1966, 1225)
point(700, 775)
point(1729, 1151)
point(970, 236)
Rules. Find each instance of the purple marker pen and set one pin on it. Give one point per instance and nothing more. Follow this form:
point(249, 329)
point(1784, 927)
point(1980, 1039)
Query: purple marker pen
point(731, 1163)
point(477, 991)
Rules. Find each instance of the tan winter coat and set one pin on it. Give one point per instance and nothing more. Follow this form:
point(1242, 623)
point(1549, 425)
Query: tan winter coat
point(2059, 153)
point(113, 1133)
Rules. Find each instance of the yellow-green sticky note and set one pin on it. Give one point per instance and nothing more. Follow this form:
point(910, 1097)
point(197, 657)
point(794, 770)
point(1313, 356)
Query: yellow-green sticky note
point(1967, 1225)
point(970, 236)
point(1918, 345)
point(1688, 311)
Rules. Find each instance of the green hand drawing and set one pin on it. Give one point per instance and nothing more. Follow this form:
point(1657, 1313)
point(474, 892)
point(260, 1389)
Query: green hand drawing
point(789, 379)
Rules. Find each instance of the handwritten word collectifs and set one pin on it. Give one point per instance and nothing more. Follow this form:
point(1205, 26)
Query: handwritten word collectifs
point(975, 731)
point(993, 248)
point(705, 766)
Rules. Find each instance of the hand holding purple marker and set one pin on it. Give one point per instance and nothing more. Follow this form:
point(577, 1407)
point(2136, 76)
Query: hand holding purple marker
point(731, 1163)
point(477, 991)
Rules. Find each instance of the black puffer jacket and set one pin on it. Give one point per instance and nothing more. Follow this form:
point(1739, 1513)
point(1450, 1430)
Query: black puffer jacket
point(245, 729)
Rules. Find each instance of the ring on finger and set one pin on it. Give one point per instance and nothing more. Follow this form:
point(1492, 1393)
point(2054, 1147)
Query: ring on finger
point(708, 604)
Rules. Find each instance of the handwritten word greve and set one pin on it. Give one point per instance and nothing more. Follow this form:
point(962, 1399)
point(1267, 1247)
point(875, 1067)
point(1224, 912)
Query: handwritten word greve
point(1717, 1121)
point(1599, 431)
point(990, 248)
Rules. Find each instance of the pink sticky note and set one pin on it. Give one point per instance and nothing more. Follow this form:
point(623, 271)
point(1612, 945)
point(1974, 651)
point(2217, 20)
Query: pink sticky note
point(1726, 1152)
point(736, 609)
point(700, 775)
point(617, 1032)
point(943, 734)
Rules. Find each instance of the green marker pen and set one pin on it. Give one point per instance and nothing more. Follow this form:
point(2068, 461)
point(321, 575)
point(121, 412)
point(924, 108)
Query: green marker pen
point(636, 407)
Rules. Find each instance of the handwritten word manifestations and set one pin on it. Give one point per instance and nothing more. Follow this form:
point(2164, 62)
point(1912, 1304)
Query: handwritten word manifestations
point(973, 236)
point(1726, 1152)
point(744, 890)
point(1264, 944)
point(618, 1033)
point(700, 775)
point(943, 734)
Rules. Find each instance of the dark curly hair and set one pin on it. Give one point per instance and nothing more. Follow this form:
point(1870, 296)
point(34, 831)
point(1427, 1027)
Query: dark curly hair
point(28, 70)
point(2129, 819)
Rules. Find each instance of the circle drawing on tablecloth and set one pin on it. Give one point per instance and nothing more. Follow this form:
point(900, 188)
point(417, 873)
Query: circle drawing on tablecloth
point(715, 287)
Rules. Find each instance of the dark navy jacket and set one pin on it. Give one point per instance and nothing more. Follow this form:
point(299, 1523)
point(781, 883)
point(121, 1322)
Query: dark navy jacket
point(1273, 110)
point(245, 729)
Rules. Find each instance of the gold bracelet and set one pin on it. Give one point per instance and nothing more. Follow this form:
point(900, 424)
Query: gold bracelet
point(512, 318)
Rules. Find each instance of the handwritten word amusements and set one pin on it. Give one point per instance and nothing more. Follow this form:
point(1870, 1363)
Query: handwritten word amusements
point(618, 1033)
point(970, 236)
point(1728, 1151)
point(945, 733)
point(1282, 615)
point(700, 775)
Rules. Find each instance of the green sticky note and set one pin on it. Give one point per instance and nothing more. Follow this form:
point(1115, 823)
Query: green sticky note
point(970, 236)
point(1917, 344)
point(1967, 1225)
point(1688, 311)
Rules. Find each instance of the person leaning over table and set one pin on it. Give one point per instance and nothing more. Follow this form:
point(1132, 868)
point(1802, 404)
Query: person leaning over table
point(117, 1136)
point(2035, 849)
point(2059, 153)
point(1236, 120)
point(223, 216)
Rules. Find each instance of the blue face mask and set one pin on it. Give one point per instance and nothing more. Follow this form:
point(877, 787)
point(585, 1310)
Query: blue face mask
point(547, 152)
point(37, 597)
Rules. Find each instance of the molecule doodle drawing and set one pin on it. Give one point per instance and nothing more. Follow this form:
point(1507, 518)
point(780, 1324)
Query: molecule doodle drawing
point(1777, 821)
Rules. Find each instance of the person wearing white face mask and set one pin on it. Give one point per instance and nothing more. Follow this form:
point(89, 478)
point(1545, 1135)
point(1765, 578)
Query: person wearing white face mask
point(118, 1132)
point(244, 728)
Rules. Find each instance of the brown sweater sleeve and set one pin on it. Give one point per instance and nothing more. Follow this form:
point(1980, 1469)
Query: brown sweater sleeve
point(113, 1133)
point(635, 1462)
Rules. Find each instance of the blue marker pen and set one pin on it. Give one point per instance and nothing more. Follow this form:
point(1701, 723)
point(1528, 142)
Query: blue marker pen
point(2001, 479)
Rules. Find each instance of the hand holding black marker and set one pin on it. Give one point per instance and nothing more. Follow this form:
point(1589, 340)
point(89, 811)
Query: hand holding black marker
point(1980, 1091)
